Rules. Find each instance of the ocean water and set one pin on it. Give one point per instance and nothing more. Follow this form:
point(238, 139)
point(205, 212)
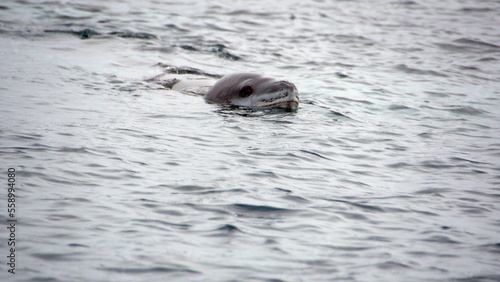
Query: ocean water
point(388, 171)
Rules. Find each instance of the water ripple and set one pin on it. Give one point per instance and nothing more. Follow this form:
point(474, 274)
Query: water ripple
point(389, 166)
point(157, 269)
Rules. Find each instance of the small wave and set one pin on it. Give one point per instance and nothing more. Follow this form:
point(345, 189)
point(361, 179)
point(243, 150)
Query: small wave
point(435, 191)
point(130, 34)
point(225, 230)
point(148, 270)
point(228, 227)
point(57, 256)
point(315, 154)
point(73, 150)
point(156, 223)
point(176, 28)
point(71, 17)
point(295, 199)
point(466, 110)
point(348, 248)
point(435, 165)
point(366, 102)
point(90, 33)
point(395, 107)
point(476, 42)
point(21, 137)
point(353, 215)
point(476, 9)
point(87, 7)
point(487, 59)
point(262, 173)
point(191, 188)
point(82, 34)
point(62, 217)
point(392, 265)
point(249, 12)
point(365, 207)
point(76, 245)
point(467, 45)
point(465, 160)
point(215, 48)
point(462, 110)
point(258, 209)
point(441, 240)
point(357, 183)
point(438, 94)
point(491, 248)
point(479, 278)
point(399, 165)
point(346, 38)
point(404, 68)
point(454, 47)
point(207, 192)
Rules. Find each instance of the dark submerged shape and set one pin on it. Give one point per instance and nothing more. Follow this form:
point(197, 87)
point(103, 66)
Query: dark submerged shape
point(255, 91)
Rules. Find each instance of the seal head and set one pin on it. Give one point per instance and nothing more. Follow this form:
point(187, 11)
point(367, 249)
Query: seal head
point(254, 91)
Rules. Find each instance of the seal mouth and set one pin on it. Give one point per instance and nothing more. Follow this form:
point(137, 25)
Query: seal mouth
point(291, 105)
point(284, 99)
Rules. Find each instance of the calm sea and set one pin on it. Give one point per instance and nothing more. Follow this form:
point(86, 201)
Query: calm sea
point(389, 170)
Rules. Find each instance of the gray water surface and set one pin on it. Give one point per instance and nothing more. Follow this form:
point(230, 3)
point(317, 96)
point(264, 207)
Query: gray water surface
point(389, 170)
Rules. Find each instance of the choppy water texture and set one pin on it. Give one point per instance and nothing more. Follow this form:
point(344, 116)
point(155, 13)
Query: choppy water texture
point(389, 171)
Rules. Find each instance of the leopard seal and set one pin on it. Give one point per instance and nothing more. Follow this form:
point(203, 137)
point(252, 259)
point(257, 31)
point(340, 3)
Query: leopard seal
point(253, 91)
point(248, 90)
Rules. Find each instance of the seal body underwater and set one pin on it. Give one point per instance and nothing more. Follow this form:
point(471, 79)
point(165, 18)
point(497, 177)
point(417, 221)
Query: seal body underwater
point(253, 91)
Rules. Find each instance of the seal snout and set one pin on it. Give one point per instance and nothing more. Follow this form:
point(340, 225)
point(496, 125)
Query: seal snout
point(284, 85)
point(288, 89)
point(280, 94)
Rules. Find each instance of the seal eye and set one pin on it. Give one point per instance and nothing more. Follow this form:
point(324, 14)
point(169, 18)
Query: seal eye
point(246, 91)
